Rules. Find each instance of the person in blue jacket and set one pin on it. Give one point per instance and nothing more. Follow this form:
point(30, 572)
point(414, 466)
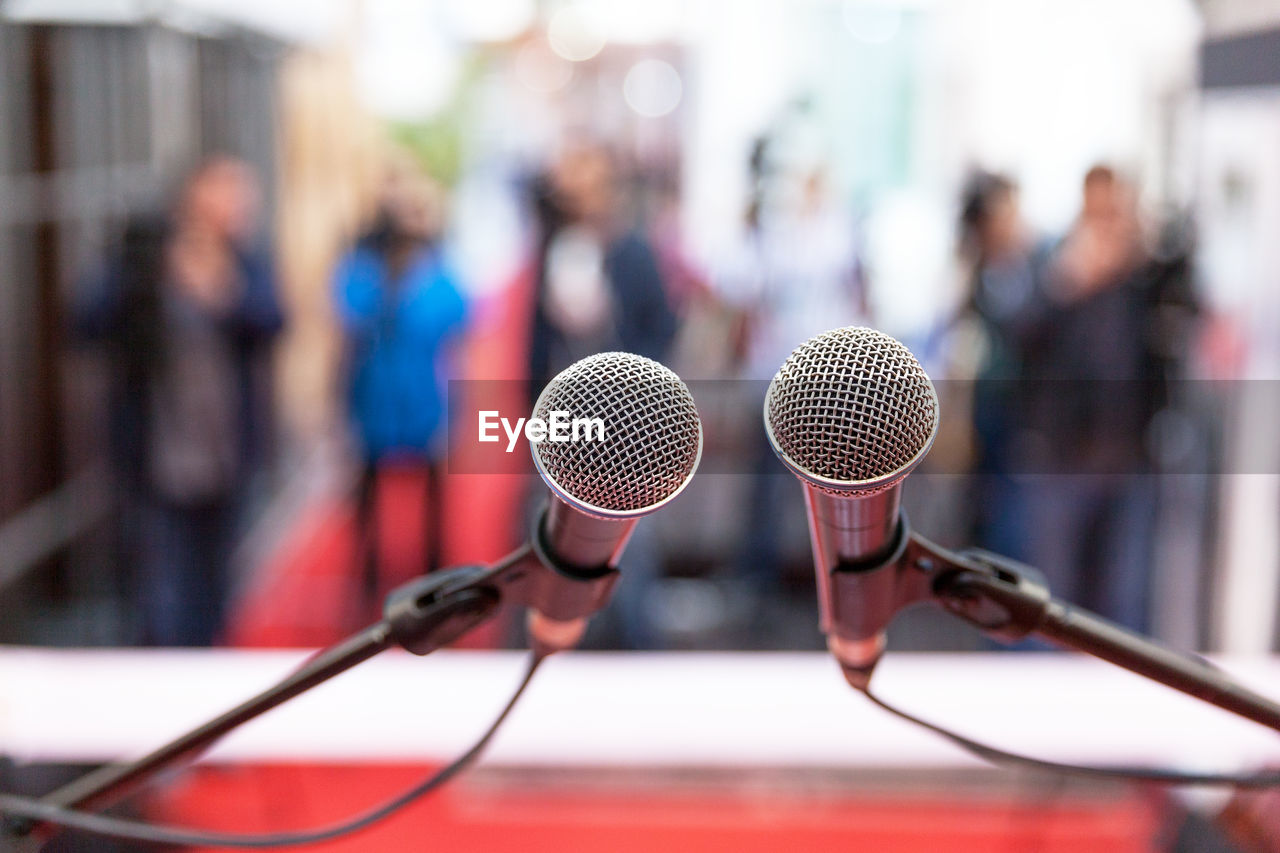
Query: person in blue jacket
point(401, 311)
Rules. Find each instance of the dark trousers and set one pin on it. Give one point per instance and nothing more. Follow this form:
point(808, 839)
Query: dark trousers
point(184, 574)
point(1092, 536)
point(367, 526)
point(772, 493)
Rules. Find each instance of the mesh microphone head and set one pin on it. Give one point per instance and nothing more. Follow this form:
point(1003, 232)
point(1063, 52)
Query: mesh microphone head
point(652, 435)
point(851, 410)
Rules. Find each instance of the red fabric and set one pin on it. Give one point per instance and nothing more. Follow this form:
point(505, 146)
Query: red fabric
point(519, 817)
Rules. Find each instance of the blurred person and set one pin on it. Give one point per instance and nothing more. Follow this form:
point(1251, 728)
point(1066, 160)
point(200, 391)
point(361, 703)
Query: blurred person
point(598, 287)
point(685, 283)
point(1091, 519)
point(709, 337)
point(187, 310)
point(1004, 270)
point(402, 312)
point(597, 279)
point(794, 273)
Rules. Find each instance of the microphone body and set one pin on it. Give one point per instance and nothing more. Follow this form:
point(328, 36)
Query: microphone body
point(851, 413)
point(852, 530)
point(580, 541)
point(578, 556)
point(853, 538)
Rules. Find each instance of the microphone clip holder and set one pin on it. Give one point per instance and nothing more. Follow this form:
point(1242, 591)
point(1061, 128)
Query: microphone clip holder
point(1010, 601)
point(432, 611)
point(916, 571)
point(421, 616)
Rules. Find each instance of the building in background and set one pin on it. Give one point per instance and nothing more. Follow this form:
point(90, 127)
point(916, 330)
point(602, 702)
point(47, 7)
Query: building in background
point(100, 118)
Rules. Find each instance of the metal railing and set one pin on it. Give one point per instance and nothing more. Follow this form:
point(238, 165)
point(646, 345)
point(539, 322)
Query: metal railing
point(51, 523)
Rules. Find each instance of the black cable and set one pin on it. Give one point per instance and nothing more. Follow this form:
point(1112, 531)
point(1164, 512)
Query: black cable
point(1127, 773)
point(130, 830)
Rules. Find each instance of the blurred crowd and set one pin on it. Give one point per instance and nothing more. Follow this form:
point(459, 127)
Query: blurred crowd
point(1057, 352)
point(1072, 344)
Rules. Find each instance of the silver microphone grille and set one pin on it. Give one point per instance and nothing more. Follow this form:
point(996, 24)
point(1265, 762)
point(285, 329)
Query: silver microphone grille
point(652, 435)
point(851, 410)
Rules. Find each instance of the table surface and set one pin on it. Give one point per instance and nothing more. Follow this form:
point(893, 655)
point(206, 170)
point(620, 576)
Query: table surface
point(624, 709)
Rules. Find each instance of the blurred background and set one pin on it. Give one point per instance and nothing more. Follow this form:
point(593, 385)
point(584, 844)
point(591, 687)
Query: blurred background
point(256, 258)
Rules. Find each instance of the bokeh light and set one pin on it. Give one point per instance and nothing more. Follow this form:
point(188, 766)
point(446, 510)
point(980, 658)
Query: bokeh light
point(652, 88)
point(574, 35)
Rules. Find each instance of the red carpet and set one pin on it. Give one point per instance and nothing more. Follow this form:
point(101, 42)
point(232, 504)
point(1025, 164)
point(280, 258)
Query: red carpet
point(470, 817)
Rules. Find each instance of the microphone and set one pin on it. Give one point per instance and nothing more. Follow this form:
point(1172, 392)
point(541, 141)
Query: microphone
point(851, 412)
point(634, 442)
